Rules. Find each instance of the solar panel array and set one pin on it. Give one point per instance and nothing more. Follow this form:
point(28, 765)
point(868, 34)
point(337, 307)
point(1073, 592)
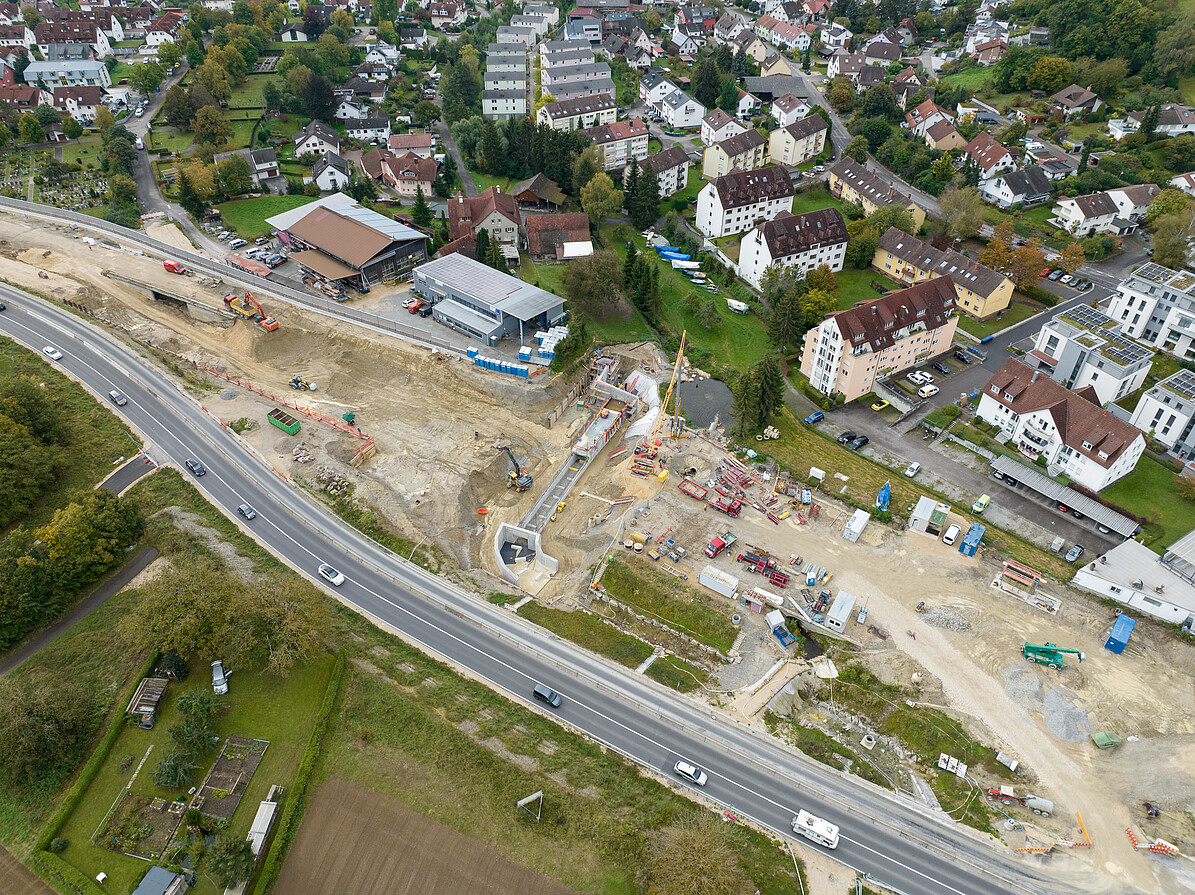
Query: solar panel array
point(1182, 383)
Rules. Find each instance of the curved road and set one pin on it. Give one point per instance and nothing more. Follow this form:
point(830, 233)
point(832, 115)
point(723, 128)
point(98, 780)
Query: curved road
point(894, 840)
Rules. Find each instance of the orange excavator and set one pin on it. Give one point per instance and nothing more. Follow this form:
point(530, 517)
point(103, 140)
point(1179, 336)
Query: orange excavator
point(249, 308)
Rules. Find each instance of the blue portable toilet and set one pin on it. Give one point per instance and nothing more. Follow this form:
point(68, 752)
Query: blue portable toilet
point(1122, 630)
point(971, 542)
point(472, 352)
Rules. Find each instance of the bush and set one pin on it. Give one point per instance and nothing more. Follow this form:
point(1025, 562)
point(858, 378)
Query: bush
point(58, 845)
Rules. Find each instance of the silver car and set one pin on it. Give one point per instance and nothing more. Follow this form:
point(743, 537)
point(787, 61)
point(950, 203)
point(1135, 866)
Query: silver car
point(690, 772)
point(219, 678)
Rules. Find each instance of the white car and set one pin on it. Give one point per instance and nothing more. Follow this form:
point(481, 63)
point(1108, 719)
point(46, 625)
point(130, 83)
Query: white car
point(951, 535)
point(912, 470)
point(917, 377)
point(407, 302)
point(51, 352)
point(140, 112)
point(690, 772)
point(333, 576)
point(927, 391)
point(237, 243)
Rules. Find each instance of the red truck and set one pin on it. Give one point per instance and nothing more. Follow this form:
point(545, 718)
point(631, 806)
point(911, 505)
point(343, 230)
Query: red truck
point(720, 543)
point(727, 505)
point(691, 488)
point(174, 267)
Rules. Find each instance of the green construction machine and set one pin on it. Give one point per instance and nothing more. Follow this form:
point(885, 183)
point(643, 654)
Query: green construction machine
point(1048, 654)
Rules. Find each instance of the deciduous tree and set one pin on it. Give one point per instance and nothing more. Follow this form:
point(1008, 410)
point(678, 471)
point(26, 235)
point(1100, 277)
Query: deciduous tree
point(600, 199)
point(229, 859)
point(962, 212)
point(210, 126)
point(1071, 257)
point(594, 284)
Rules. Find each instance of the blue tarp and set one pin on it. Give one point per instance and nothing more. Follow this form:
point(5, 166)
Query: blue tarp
point(884, 496)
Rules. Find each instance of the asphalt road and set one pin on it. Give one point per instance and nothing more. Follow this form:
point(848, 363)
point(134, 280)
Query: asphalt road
point(898, 842)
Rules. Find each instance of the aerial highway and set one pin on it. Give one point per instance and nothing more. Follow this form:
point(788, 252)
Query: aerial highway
point(896, 842)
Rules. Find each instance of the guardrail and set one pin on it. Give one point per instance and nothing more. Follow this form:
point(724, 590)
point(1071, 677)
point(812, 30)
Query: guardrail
point(229, 274)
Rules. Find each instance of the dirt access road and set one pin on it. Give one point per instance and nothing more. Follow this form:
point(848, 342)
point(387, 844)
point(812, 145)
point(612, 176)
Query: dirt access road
point(353, 839)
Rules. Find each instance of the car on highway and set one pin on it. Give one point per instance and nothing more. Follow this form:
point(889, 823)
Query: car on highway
point(195, 466)
point(1055, 274)
point(963, 356)
point(3, 306)
point(690, 772)
point(333, 576)
point(547, 695)
point(1074, 553)
point(912, 469)
point(247, 511)
point(51, 352)
point(816, 417)
point(881, 404)
point(846, 436)
point(855, 443)
point(117, 398)
point(941, 368)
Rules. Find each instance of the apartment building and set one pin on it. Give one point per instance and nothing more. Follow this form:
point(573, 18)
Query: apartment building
point(745, 151)
point(798, 142)
point(1167, 413)
point(578, 114)
point(801, 241)
point(1156, 305)
point(981, 291)
point(1084, 347)
point(851, 182)
point(739, 200)
point(620, 142)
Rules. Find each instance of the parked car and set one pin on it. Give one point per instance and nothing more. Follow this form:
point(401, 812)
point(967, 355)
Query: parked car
point(816, 417)
point(847, 436)
point(407, 302)
point(1066, 279)
point(1046, 272)
point(912, 469)
point(219, 678)
point(331, 575)
point(1074, 553)
point(261, 240)
point(690, 772)
point(51, 352)
point(1084, 285)
point(918, 377)
point(951, 535)
point(237, 243)
point(1055, 274)
point(880, 404)
point(927, 391)
point(414, 307)
point(857, 443)
point(426, 310)
point(195, 466)
point(547, 695)
point(963, 356)
point(941, 368)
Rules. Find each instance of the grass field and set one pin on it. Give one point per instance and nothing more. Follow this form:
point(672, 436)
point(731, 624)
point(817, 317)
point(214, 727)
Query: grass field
point(82, 151)
point(972, 78)
point(1149, 491)
point(814, 198)
point(172, 140)
point(854, 286)
point(683, 608)
point(248, 216)
point(589, 632)
point(1018, 310)
point(677, 674)
point(242, 133)
point(249, 94)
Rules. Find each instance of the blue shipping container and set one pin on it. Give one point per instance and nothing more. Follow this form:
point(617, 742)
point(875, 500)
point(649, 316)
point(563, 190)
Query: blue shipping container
point(1122, 630)
point(971, 542)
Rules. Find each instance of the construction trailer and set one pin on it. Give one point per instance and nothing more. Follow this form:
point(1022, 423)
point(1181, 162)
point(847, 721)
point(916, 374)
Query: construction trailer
point(856, 524)
point(1122, 630)
point(973, 539)
point(718, 581)
point(840, 611)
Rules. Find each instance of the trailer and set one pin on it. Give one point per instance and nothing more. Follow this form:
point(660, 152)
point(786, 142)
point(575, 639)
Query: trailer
point(776, 622)
point(1006, 795)
point(693, 489)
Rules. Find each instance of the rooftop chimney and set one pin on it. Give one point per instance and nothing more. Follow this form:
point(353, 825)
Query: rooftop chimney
point(1036, 373)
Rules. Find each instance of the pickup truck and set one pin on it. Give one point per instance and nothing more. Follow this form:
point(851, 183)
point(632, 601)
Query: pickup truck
point(720, 543)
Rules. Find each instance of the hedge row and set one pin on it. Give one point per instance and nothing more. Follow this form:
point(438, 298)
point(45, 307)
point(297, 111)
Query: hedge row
point(67, 876)
point(292, 814)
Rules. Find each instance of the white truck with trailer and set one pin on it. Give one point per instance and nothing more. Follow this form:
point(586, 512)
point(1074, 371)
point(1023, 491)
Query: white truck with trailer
point(816, 829)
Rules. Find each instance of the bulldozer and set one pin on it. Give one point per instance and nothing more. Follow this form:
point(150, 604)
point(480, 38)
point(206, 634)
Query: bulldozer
point(516, 478)
point(248, 308)
point(1050, 654)
point(300, 384)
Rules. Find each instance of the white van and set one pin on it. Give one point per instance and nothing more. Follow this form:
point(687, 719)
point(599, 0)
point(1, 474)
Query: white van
point(951, 535)
point(927, 391)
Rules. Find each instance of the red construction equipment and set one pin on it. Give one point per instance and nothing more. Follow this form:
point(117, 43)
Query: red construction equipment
point(249, 308)
point(693, 489)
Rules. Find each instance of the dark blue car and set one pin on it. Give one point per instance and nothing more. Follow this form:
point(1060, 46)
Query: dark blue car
point(815, 418)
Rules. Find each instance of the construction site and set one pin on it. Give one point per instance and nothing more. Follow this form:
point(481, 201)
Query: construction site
point(533, 486)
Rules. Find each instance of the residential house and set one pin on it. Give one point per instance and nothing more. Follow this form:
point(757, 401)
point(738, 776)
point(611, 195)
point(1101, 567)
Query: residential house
point(942, 136)
point(422, 145)
point(849, 351)
point(412, 38)
point(350, 108)
point(87, 34)
point(1167, 413)
point(908, 33)
point(494, 211)
point(586, 28)
point(22, 97)
point(368, 130)
point(789, 37)
point(836, 37)
point(316, 138)
point(506, 79)
point(81, 103)
point(745, 151)
point(739, 200)
point(982, 291)
point(989, 52)
point(295, 32)
point(868, 77)
point(1068, 429)
point(908, 89)
point(798, 142)
point(373, 71)
point(845, 65)
point(1173, 120)
point(105, 17)
point(775, 64)
point(1156, 305)
point(851, 182)
point(16, 35)
point(978, 111)
point(67, 73)
point(620, 141)
point(882, 53)
point(749, 42)
point(671, 167)
point(1091, 214)
point(406, 174)
point(748, 105)
point(571, 81)
point(558, 237)
point(718, 126)
point(447, 14)
point(991, 157)
point(818, 10)
point(653, 87)
point(1133, 201)
point(1184, 182)
point(263, 166)
point(388, 54)
point(580, 113)
point(1083, 347)
point(729, 26)
point(331, 173)
point(788, 108)
point(925, 116)
point(1055, 167)
point(553, 53)
point(639, 58)
point(706, 16)
point(1027, 187)
point(683, 44)
point(511, 34)
point(1075, 100)
point(679, 110)
point(165, 28)
point(538, 24)
point(790, 12)
point(500, 105)
point(802, 241)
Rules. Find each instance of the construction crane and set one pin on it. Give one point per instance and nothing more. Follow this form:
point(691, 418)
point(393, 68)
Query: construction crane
point(676, 421)
point(249, 308)
point(1050, 654)
point(517, 478)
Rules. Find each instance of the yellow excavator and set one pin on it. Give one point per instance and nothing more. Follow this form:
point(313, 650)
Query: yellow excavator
point(516, 478)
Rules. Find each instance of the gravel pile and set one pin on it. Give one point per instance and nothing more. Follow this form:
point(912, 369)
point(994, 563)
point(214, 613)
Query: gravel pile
point(946, 618)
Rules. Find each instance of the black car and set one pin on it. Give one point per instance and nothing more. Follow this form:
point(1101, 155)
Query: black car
point(857, 443)
point(847, 436)
point(963, 356)
point(195, 466)
point(940, 367)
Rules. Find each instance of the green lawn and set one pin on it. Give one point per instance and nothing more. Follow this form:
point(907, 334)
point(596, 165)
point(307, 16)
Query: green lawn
point(661, 596)
point(262, 706)
point(589, 632)
point(247, 216)
point(242, 133)
point(1018, 309)
point(249, 94)
point(172, 140)
point(82, 151)
point(816, 198)
point(1149, 491)
point(854, 286)
point(484, 181)
point(972, 78)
